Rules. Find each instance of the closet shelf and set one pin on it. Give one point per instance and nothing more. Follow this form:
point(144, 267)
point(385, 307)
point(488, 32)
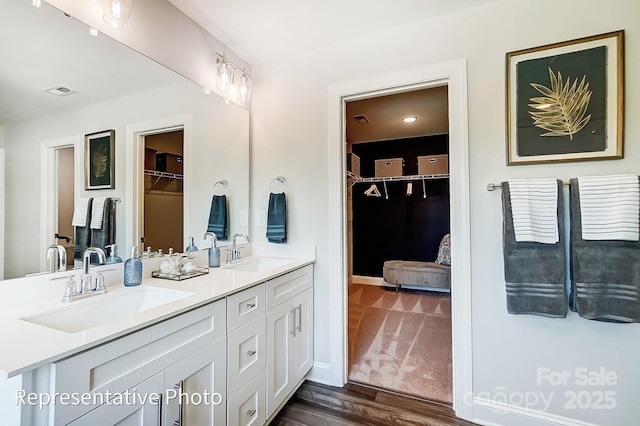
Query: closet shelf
point(358, 179)
point(160, 174)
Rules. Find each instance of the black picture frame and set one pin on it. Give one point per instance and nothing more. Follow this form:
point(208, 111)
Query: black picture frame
point(99, 153)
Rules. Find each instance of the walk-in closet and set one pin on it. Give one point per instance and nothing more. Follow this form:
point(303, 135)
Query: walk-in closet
point(398, 222)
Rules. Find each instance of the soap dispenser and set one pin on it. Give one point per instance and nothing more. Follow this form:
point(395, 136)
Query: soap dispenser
point(133, 269)
point(192, 246)
point(113, 254)
point(214, 251)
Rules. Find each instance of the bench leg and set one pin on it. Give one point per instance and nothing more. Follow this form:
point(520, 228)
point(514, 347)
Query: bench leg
point(397, 286)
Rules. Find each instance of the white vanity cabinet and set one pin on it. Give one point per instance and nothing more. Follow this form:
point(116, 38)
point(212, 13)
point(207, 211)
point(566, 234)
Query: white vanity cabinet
point(289, 334)
point(187, 350)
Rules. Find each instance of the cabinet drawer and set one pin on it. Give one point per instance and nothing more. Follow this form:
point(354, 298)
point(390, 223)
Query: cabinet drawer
point(244, 307)
point(286, 286)
point(122, 363)
point(247, 407)
point(246, 354)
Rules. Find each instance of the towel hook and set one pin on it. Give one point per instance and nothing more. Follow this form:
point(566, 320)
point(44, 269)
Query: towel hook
point(224, 183)
point(282, 181)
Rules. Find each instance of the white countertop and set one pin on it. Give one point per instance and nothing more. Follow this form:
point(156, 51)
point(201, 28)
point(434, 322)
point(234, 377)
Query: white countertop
point(27, 346)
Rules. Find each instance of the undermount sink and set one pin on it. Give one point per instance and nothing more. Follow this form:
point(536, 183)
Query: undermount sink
point(104, 308)
point(260, 264)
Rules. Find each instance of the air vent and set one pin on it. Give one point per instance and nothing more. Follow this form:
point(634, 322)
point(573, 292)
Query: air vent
point(361, 118)
point(60, 91)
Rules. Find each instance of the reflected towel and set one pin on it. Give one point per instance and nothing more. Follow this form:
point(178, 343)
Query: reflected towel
point(533, 206)
point(82, 238)
point(610, 207)
point(277, 218)
point(97, 212)
point(107, 233)
point(80, 209)
point(534, 273)
point(218, 217)
point(605, 275)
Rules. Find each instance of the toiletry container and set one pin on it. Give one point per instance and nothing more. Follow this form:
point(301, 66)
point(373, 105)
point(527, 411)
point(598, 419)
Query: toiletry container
point(214, 251)
point(113, 254)
point(192, 246)
point(133, 269)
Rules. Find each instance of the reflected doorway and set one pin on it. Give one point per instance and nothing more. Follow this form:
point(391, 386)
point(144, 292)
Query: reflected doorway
point(65, 167)
point(163, 200)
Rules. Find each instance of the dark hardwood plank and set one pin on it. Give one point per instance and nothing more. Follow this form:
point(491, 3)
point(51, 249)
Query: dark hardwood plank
point(317, 405)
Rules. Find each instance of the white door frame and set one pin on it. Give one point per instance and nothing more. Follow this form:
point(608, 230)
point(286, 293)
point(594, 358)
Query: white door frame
point(454, 75)
point(49, 187)
point(134, 192)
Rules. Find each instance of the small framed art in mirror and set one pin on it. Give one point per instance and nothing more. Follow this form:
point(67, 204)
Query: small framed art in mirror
point(99, 159)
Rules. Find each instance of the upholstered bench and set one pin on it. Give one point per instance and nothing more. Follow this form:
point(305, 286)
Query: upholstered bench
point(425, 274)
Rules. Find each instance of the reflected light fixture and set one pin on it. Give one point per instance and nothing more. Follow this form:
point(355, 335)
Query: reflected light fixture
point(116, 13)
point(36, 3)
point(409, 119)
point(231, 80)
point(93, 32)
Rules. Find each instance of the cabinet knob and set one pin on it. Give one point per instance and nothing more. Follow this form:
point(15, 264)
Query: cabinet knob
point(251, 305)
point(251, 353)
point(251, 413)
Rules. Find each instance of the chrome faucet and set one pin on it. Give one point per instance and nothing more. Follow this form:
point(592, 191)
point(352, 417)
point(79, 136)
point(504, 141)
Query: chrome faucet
point(61, 258)
point(235, 255)
point(86, 285)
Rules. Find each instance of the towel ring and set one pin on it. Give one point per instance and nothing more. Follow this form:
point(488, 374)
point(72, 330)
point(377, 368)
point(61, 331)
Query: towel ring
point(223, 183)
point(282, 181)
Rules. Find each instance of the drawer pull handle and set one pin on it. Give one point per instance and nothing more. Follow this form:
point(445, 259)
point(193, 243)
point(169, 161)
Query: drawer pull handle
point(251, 413)
point(251, 305)
point(158, 401)
point(180, 388)
point(299, 327)
point(251, 353)
point(293, 317)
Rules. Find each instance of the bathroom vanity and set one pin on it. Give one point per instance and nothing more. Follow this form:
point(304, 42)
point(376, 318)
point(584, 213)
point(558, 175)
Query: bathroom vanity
point(229, 347)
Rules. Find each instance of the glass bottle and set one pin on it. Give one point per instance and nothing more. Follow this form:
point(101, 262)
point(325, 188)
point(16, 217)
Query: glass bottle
point(133, 269)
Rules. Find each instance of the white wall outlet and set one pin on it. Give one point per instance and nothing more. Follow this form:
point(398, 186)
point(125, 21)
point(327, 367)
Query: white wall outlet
point(244, 218)
point(261, 218)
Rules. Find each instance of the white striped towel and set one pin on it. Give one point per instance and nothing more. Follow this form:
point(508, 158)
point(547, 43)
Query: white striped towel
point(534, 207)
point(80, 212)
point(97, 212)
point(610, 207)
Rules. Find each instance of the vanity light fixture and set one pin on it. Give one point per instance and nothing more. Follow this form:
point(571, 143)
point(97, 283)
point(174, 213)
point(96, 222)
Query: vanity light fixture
point(116, 13)
point(409, 119)
point(233, 81)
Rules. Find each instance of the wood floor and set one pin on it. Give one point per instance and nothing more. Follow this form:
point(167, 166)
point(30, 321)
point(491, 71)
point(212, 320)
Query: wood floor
point(319, 405)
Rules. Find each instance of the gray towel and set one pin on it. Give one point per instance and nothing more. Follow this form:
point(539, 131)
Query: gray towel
point(218, 217)
point(534, 272)
point(605, 275)
point(107, 234)
point(277, 218)
point(82, 238)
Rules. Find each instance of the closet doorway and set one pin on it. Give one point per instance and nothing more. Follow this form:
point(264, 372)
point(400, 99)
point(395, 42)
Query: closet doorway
point(163, 201)
point(398, 339)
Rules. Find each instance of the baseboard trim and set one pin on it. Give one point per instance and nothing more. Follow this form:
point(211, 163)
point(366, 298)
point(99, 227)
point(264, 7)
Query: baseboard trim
point(493, 413)
point(361, 279)
point(380, 282)
point(320, 373)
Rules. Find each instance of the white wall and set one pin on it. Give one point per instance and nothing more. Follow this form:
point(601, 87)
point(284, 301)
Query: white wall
point(218, 149)
point(289, 138)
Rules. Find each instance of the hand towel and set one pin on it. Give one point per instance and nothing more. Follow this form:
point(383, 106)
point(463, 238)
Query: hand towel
point(277, 218)
point(106, 234)
point(605, 274)
point(610, 207)
point(534, 272)
point(82, 238)
point(97, 212)
point(534, 205)
point(80, 209)
point(218, 217)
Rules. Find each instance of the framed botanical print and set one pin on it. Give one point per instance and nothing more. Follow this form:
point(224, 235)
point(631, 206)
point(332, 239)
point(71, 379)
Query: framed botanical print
point(565, 101)
point(99, 160)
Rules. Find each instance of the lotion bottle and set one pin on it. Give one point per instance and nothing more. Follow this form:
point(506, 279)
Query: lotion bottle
point(113, 254)
point(133, 269)
point(192, 246)
point(214, 251)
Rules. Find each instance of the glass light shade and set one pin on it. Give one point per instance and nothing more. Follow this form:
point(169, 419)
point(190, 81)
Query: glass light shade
point(116, 13)
point(36, 3)
point(245, 87)
point(223, 74)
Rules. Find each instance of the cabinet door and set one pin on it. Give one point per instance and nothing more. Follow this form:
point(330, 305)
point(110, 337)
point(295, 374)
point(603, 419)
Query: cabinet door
point(196, 388)
point(302, 344)
point(140, 406)
point(279, 339)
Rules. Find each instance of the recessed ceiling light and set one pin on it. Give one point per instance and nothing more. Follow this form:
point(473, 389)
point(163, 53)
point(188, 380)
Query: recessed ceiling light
point(361, 118)
point(409, 119)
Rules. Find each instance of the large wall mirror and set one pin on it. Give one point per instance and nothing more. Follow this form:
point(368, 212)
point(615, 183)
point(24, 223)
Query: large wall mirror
point(43, 136)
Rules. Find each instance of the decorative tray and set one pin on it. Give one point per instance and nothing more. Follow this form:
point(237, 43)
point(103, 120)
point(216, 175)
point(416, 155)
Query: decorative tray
point(182, 276)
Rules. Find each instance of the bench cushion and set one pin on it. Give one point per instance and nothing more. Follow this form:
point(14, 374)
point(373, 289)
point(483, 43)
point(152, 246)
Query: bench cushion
point(428, 274)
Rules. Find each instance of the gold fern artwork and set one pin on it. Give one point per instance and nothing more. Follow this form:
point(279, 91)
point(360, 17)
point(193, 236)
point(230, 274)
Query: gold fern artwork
point(563, 108)
point(99, 161)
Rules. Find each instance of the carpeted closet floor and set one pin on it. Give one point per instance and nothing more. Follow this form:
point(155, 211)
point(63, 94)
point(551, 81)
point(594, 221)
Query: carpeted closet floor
point(401, 342)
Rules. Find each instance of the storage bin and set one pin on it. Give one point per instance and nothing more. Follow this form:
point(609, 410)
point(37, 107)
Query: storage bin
point(433, 164)
point(149, 159)
point(353, 163)
point(167, 162)
point(389, 167)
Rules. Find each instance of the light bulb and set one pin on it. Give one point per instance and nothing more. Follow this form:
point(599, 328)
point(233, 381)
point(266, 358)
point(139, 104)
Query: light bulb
point(36, 3)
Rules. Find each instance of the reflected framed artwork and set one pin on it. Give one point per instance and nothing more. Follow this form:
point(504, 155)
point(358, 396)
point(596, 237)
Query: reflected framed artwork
point(565, 101)
point(99, 160)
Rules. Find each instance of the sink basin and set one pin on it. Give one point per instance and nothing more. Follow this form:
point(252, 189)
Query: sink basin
point(260, 264)
point(104, 308)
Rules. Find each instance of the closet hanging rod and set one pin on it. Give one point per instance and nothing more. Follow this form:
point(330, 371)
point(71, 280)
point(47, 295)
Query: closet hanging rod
point(492, 186)
point(358, 179)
